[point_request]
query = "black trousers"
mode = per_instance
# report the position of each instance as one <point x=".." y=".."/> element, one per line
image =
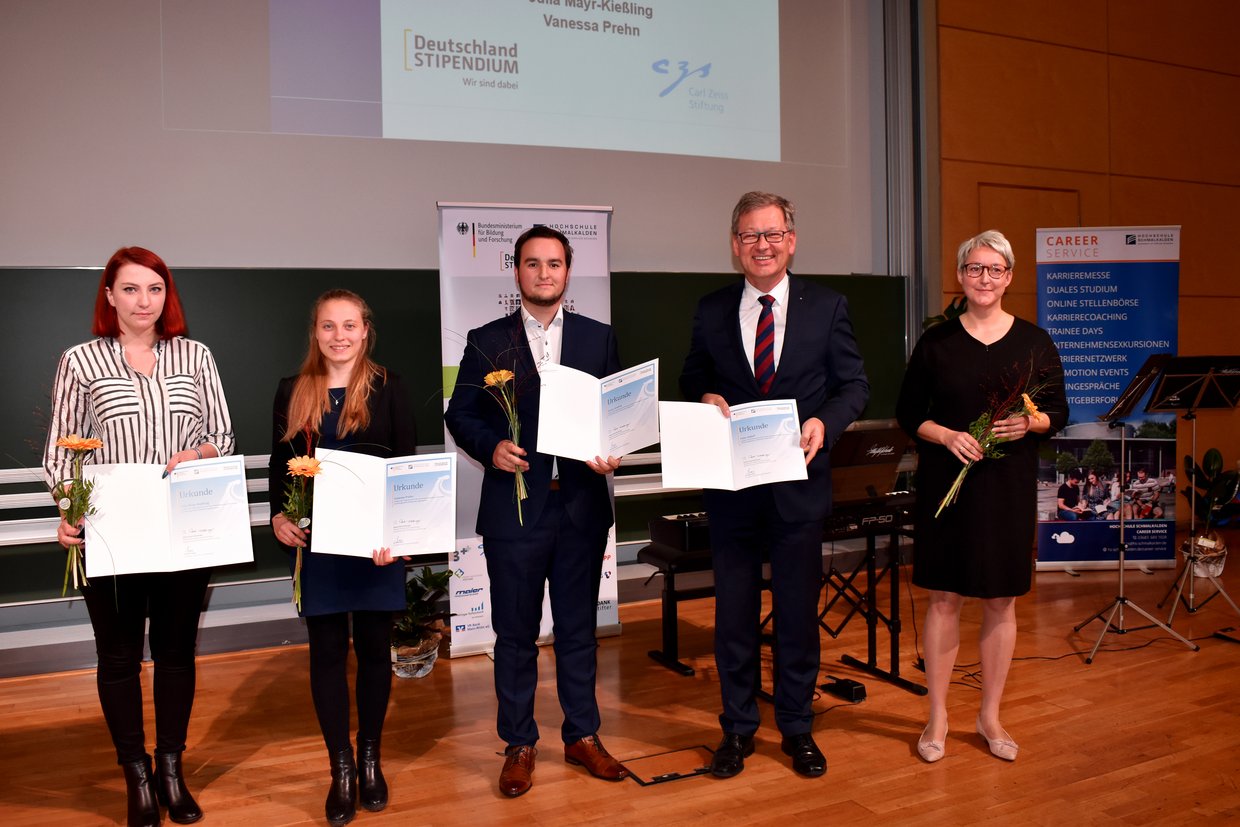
<point x="119" y="607"/>
<point x="742" y="525"/>
<point x="329" y="674"/>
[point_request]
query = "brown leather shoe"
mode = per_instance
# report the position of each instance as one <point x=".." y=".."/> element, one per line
<point x="516" y="777"/>
<point x="589" y="753"/>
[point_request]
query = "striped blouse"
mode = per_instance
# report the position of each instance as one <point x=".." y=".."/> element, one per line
<point x="140" y="418"/>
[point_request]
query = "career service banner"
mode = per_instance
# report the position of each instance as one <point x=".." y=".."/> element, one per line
<point x="1109" y="298"/>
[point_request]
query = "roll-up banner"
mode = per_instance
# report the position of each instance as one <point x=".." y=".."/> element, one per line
<point x="477" y="285"/>
<point x="1109" y="298"/>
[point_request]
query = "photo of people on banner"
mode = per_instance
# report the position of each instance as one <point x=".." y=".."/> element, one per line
<point x="1108" y="297"/>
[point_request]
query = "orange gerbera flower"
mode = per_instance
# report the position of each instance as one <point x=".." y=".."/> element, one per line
<point x="79" y="443"/>
<point x="496" y="378"/>
<point x="303" y="467"/>
<point x="1030" y="408"/>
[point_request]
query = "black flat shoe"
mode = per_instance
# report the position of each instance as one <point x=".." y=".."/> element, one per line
<point x="807" y="759"/>
<point x="730" y="755"/>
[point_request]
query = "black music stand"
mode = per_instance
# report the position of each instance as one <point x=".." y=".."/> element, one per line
<point x="1189" y="384"/>
<point x="1114" y="611"/>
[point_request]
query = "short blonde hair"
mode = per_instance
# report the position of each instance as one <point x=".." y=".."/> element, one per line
<point x="993" y="239"/>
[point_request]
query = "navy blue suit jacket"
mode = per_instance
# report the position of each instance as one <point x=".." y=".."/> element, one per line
<point x="477" y="423"/>
<point x="819" y="366"/>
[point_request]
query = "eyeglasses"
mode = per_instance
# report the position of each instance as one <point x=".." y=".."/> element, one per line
<point x="772" y="236"/>
<point x="974" y="271"/>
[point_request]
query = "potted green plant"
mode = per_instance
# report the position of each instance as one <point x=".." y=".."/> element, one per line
<point x="954" y="310"/>
<point x="1213" y="493"/>
<point x="419" y="629"/>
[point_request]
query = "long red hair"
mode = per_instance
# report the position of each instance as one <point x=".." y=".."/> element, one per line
<point x="169" y="324"/>
<point x="310" y="399"/>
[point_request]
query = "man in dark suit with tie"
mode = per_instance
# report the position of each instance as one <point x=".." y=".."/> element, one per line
<point x="772" y="336"/>
<point x="559" y="535"/>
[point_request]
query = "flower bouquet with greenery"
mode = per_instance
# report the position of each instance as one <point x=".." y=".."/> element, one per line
<point x="298" y="499"/>
<point x="72" y="497"/>
<point x="503" y="388"/>
<point x="1016" y="403"/>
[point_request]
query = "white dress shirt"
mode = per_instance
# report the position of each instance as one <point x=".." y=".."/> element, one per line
<point x="751" y="308"/>
<point x="546" y="343"/>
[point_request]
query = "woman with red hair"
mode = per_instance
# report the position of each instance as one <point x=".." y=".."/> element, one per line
<point x="151" y="396"/>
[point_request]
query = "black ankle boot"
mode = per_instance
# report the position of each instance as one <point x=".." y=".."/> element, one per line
<point x="170" y="788"/>
<point x="140" y="793"/>
<point x="372" y="787"/>
<point x="341" y="803"/>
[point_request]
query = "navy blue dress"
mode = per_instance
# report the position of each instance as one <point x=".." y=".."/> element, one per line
<point x="331" y="583"/>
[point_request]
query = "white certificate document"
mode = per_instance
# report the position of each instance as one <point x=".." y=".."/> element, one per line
<point x="581" y="417"/>
<point x="702" y="448"/>
<point x="362" y="503"/>
<point x="198" y="516"/>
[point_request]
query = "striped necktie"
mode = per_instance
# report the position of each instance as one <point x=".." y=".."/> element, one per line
<point x="764" y="346"/>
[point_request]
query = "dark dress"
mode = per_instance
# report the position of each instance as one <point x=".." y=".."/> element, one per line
<point x="331" y="583"/>
<point x="982" y="545"/>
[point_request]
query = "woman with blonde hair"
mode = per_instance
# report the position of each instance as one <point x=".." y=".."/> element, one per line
<point x="342" y="400"/>
<point x="982" y="545"/>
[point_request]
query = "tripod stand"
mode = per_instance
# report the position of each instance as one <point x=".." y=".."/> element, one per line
<point x="1114" y="611"/>
<point x="1190" y="383"/>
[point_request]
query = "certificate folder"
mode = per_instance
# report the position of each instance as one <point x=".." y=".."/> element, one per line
<point x="198" y="516"/>
<point x="582" y="417"/>
<point x="363" y="503"/>
<point x="759" y="443"/>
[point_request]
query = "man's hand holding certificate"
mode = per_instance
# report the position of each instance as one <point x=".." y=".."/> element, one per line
<point x="198" y="516"/>
<point x="581" y="417"/>
<point x="363" y="503"/>
<point x="759" y="443"/>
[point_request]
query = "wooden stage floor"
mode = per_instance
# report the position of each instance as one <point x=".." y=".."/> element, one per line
<point x="1149" y="734"/>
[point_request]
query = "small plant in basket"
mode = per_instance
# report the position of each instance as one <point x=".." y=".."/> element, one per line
<point x="1214" y="492"/>
<point x="416" y="633"/>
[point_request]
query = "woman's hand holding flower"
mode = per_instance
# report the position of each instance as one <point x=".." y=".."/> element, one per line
<point x="68" y="535"/>
<point x="962" y="445"/>
<point x="287" y="532"/>
<point x="1012" y="428"/>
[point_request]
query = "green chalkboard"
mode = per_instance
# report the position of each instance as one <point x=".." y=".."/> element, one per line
<point x="256" y="323"/>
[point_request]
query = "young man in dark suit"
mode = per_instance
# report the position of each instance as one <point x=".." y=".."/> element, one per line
<point x="772" y="336"/>
<point x="559" y="535"/>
